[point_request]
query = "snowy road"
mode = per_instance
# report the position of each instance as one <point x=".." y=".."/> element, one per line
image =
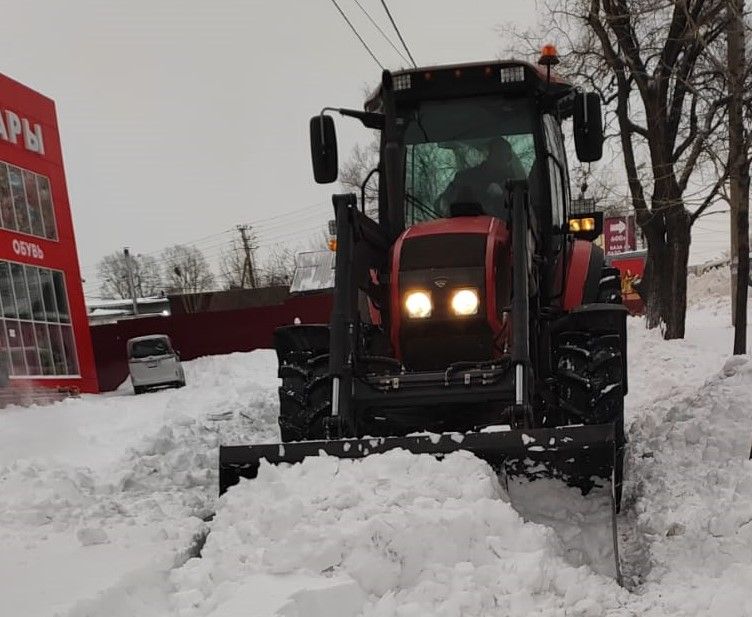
<point x="102" y="500"/>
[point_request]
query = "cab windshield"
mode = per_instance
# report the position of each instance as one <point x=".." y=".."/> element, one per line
<point x="463" y="151"/>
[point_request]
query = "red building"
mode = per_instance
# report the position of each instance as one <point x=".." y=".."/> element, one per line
<point x="44" y="334"/>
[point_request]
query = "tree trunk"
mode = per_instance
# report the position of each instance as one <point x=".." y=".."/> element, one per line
<point x="652" y="278"/>
<point x="738" y="173"/>
<point x="742" y="272"/>
<point x="674" y="282"/>
<point x="668" y="235"/>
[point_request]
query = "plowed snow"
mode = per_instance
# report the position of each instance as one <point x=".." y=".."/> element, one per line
<point x="102" y="500"/>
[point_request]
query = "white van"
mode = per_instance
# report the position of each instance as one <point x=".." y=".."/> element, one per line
<point x="153" y="362"/>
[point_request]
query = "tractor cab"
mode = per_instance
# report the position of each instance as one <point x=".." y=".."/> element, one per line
<point x="468" y="130"/>
<point x="459" y="133"/>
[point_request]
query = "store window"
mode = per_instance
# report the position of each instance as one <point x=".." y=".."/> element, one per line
<point x="36" y="336"/>
<point x="26" y="202"/>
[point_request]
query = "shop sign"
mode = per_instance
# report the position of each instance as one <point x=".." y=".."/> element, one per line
<point x="16" y="129"/>
<point x="27" y="249"/>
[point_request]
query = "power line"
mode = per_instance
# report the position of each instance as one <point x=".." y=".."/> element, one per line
<point x="307" y="218"/>
<point x="290" y="213"/>
<point x="375" y="25"/>
<point x="273" y="239"/>
<point x="194" y="243"/>
<point x="396" y="29"/>
<point x="360" y="38"/>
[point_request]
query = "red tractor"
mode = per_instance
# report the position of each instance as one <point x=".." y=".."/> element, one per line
<point x="470" y="310"/>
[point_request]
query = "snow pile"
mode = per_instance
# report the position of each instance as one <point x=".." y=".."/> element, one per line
<point x="56" y="461"/>
<point x="692" y="493"/>
<point x="95" y="488"/>
<point x="582" y="523"/>
<point x="713" y="286"/>
<point x="34" y="494"/>
<point x="408" y="535"/>
<point x="229" y="404"/>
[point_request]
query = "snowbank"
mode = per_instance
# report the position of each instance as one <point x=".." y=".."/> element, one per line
<point x="97" y="488"/>
<point x="711" y="287"/>
<point x="407" y="535"/>
<point x="692" y="496"/>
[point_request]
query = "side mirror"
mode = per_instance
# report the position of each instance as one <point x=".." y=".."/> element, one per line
<point x="323" y="149"/>
<point x="586" y="226"/>
<point x="588" y="127"/>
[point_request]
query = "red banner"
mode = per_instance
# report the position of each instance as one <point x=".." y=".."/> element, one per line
<point x="631" y="269"/>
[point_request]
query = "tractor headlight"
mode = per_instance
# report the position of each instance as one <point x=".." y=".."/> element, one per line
<point x="418" y="304"/>
<point x="465" y="302"/>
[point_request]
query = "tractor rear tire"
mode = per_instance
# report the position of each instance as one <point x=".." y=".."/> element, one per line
<point x="590" y="372"/>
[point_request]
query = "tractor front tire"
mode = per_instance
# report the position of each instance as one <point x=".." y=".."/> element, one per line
<point x="292" y="401"/>
<point x="303" y="399"/>
<point x="590" y="373"/>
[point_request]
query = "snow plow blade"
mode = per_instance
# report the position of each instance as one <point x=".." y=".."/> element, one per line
<point x="571" y="452"/>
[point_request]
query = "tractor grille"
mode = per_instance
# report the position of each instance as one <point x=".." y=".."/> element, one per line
<point x="443" y="263"/>
<point x="443" y="251"/>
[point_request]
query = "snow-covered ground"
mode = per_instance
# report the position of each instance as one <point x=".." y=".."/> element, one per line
<point x="103" y="501"/>
<point x="97" y="490"/>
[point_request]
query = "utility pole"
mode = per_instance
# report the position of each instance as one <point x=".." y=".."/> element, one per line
<point x="738" y="173"/>
<point x="131" y="286"/>
<point x="248" y="263"/>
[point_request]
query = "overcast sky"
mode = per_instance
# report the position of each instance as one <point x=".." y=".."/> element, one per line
<point x="181" y="119"/>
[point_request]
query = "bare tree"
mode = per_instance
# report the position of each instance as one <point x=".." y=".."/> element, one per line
<point x="644" y="58"/>
<point x="112" y="272"/>
<point x="232" y="263"/>
<point x="727" y="75"/>
<point x="278" y="266"/>
<point x="186" y="270"/>
<point x="363" y="160"/>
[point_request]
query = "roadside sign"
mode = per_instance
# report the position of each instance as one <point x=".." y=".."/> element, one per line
<point x="619" y="235"/>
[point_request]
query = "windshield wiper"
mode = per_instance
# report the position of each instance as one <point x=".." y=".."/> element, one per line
<point x="426" y="209"/>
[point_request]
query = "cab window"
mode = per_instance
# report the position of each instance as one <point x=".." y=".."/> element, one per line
<point x="464" y="151"/>
<point x="556" y="164"/>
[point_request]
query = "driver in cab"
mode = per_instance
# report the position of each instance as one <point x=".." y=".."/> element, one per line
<point x="484" y="184"/>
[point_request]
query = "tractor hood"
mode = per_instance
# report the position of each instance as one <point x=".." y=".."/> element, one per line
<point x="451" y="282"/>
<point x="482" y="225"/>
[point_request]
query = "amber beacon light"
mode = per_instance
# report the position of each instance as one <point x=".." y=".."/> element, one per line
<point x="549" y="56"/>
